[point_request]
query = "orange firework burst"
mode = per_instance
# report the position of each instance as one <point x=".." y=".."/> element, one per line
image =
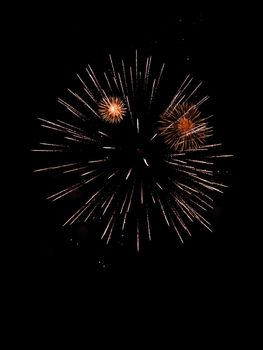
<point x="112" y="109"/>
<point x="183" y="128"/>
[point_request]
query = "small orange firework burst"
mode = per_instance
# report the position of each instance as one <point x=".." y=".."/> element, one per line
<point x="183" y="128"/>
<point x="112" y="109"/>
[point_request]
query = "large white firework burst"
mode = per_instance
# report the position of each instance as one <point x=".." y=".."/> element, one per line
<point x="129" y="157"/>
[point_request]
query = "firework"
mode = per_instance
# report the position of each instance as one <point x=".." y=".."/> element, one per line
<point x="128" y="157"/>
<point x="112" y="109"/>
<point x="183" y="127"/>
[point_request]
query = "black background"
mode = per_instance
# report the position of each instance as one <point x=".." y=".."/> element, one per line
<point x="213" y="273"/>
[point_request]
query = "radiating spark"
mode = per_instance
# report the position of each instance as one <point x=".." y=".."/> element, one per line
<point x="81" y="210"/>
<point x="65" y="191"/>
<point x="148" y="224"/>
<point x="145" y="161"/>
<point x="54" y="167"/>
<point x="141" y="193"/>
<point x="108" y="147"/>
<point x="163" y="211"/>
<point x="138" y="236"/>
<point x="128" y="174"/>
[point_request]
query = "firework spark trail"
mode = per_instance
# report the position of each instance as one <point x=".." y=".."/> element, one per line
<point x="83" y="102"/>
<point x="54" y="167"/>
<point x="66" y="129"/>
<point x="133" y="159"/>
<point x="148" y="224"/>
<point x="94" y="79"/>
<point x="82" y="209"/>
<point x="137" y="236"/>
<point x="71" y="109"/>
<point x="163" y="211"/>
<point x="141" y="190"/>
<point x="178" y="96"/>
<point x="113" y="71"/>
<point x="124" y="76"/>
<point x="65" y="191"/>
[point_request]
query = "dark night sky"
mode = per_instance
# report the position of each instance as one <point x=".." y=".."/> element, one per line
<point x="56" y="44"/>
